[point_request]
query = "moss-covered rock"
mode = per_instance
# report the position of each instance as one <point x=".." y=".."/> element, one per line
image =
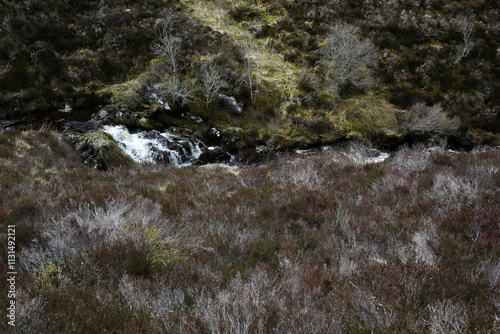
<point x="102" y="151"/>
<point x="144" y="123"/>
<point x="234" y="138"/>
<point x="23" y="103"/>
<point x="127" y="96"/>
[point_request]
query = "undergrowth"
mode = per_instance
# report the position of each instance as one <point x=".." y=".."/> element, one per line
<point x="325" y="242"/>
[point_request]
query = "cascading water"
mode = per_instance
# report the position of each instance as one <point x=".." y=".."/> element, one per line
<point x="154" y="146"/>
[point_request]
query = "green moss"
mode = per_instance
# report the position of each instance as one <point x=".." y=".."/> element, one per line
<point x="368" y="117"/>
<point x="126" y="96"/>
<point x="24" y="102"/>
<point x="235" y="137"/>
<point x="161" y="250"/>
<point x="102" y="148"/>
<point x="483" y="137"/>
<point x="144" y="123"/>
<point x="49" y="278"/>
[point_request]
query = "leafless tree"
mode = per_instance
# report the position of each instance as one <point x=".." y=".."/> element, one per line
<point x="252" y="54"/>
<point x="169" y="45"/>
<point x="347" y="55"/>
<point x="211" y="80"/>
<point x="4" y="70"/>
<point x="169" y="48"/>
<point x="181" y="91"/>
<point x="424" y="119"/>
<point x="466" y="28"/>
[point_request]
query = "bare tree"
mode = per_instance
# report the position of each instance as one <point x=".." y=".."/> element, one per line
<point x="421" y="119"/>
<point x="4" y="70"/>
<point x="169" y="48"/>
<point x="466" y="28"/>
<point x="347" y="55"/>
<point x="252" y="54"/>
<point x="211" y="80"/>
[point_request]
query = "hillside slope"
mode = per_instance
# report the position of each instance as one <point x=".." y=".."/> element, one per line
<point x="329" y="242"/>
<point x="295" y="84"/>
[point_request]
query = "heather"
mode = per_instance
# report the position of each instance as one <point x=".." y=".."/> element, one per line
<point x="254" y="166"/>
<point x="323" y="241"/>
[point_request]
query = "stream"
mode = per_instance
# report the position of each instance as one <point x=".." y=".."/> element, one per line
<point x="142" y="146"/>
<point x="153" y="146"/>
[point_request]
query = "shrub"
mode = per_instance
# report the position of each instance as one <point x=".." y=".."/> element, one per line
<point x="421" y="119"/>
<point x="447" y="317"/>
<point x="347" y="55"/>
<point x="115" y="238"/>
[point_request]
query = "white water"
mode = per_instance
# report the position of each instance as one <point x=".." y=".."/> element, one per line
<point x="142" y="149"/>
<point x="358" y="154"/>
<point x="67" y="108"/>
<point x="362" y="159"/>
<point x="381" y="158"/>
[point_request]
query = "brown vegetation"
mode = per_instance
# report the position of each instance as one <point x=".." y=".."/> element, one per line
<point x="320" y="243"/>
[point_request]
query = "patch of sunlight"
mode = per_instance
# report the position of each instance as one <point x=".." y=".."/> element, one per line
<point x="273" y="69"/>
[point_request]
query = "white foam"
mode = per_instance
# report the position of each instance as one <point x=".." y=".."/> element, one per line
<point x="134" y="145"/>
<point x="143" y="150"/>
<point x="67" y="108"/>
<point x="381" y="158"/>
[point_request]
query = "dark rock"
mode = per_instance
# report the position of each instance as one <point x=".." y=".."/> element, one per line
<point x="214" y="135"/>
<point x="214" y="154"/>
<point x="192" y="117"/>
<point x="230" y="104"/>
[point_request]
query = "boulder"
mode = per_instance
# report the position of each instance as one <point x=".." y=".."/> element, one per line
<point x="102" y="151"/>
<point x="214" y="135"/>
<point x="230" y="104"/>
<point x="213" y="155"/>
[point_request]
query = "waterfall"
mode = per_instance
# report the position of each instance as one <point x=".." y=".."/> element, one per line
<point x="152" y="146"/>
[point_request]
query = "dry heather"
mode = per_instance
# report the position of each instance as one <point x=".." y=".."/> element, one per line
<point x="326" y="242"/>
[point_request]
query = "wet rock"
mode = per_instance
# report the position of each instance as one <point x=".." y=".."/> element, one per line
<point x="192" y="117"/>
<point x="214" y="155"/>
<point x="230" y="104"/>
<point x="106" y="115"/>
<point x="101" y="115"/>
<point x="99" y="149"/>
<point x="172" y="148"/>
<point x="214" y="135"/>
